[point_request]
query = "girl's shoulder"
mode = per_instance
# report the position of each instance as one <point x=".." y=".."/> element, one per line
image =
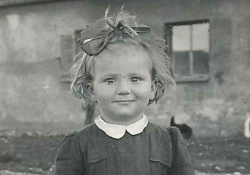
<point x="89" y="132"/>
<point x="154" y="128"/>
<point x="89" y="129"/>
<point x="86" y="132"/>
<point x="167" y="135"/>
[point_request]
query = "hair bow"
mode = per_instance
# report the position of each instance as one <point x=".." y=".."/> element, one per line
<point x="93" y="41"/>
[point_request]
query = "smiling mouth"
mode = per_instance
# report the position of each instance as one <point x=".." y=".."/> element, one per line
<point x="124" y="101"/>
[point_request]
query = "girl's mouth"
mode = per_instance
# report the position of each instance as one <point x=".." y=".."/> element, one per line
<point x="124" y="101"/>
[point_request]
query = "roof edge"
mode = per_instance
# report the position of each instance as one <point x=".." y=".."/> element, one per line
<point x="7" y="3"/>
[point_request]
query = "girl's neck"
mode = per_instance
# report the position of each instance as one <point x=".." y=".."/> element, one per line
<point x="121" y="122"/>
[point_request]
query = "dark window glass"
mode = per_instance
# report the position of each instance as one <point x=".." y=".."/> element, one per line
<point x="200" y="62"/>
<point x="181" y="63"/>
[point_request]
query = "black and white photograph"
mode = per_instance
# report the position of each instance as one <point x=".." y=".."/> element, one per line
<point x="124" y="87"/>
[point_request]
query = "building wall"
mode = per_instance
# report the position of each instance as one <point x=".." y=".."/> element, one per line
<point x="30" y="88"/>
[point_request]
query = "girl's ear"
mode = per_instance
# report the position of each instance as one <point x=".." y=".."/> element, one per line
<point x="153" y="89"/>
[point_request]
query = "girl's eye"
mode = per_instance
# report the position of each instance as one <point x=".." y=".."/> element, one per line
<point x="135" y="79"/>
<point x="110" y="81"/>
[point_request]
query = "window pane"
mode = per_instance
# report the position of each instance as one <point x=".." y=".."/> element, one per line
<point x="201" y="48"/>
<point x="181" y="59"/>
<point x="201" y="37"/>
<point x="181" y="38"/>
<point x="200" y="62"/>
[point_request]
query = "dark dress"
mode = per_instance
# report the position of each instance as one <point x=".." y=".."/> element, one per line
<point x="155" y="151"/>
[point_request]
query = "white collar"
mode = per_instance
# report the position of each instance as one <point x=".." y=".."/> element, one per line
<point x="118" y="131"/>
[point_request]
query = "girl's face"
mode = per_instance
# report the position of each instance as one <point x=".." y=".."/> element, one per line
<point x="122" y="83"/>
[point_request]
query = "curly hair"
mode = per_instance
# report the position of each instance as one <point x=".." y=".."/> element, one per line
<point x="82" y="70"/>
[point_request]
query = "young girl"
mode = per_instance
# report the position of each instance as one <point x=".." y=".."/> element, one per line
<point x="123" y="70"/>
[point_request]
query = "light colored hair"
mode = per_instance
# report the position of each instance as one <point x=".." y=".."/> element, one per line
<point x="82" y="70"/>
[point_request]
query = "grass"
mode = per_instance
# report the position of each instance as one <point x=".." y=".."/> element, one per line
<point x="220" y="154"/>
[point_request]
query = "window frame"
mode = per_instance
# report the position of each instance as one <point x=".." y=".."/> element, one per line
<point x="168" y="35"/>
<point x="26" y="2"/>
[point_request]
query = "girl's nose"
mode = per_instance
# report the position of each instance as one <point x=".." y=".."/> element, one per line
<point x="123" y="87"/>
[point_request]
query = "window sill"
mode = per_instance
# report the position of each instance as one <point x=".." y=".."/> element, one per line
<point x="65" y="78"/>
<point x="191" y="78"/>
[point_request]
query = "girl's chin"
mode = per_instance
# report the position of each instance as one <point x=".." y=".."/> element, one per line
<point x="122" y="119"/>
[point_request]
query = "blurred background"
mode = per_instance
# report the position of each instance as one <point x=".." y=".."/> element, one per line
<point x="209" y="41"/>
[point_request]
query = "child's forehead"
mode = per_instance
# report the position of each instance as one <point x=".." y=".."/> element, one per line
<point x="125" y="50"/>
<point x="123" y="53"/>
<point x="122" y="57"/>
<point x="122" y="66"/>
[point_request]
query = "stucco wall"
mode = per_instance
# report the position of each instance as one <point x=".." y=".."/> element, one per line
<point x="30" y="87"/>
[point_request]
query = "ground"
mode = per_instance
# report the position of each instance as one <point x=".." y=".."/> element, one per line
<point x="220" y="154"/>
<point x="35" y="153"/>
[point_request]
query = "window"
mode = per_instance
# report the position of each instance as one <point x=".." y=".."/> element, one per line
<point x="68" y="49"/>
<point x="66" y="56"/>
<point x="188" y="44"/>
